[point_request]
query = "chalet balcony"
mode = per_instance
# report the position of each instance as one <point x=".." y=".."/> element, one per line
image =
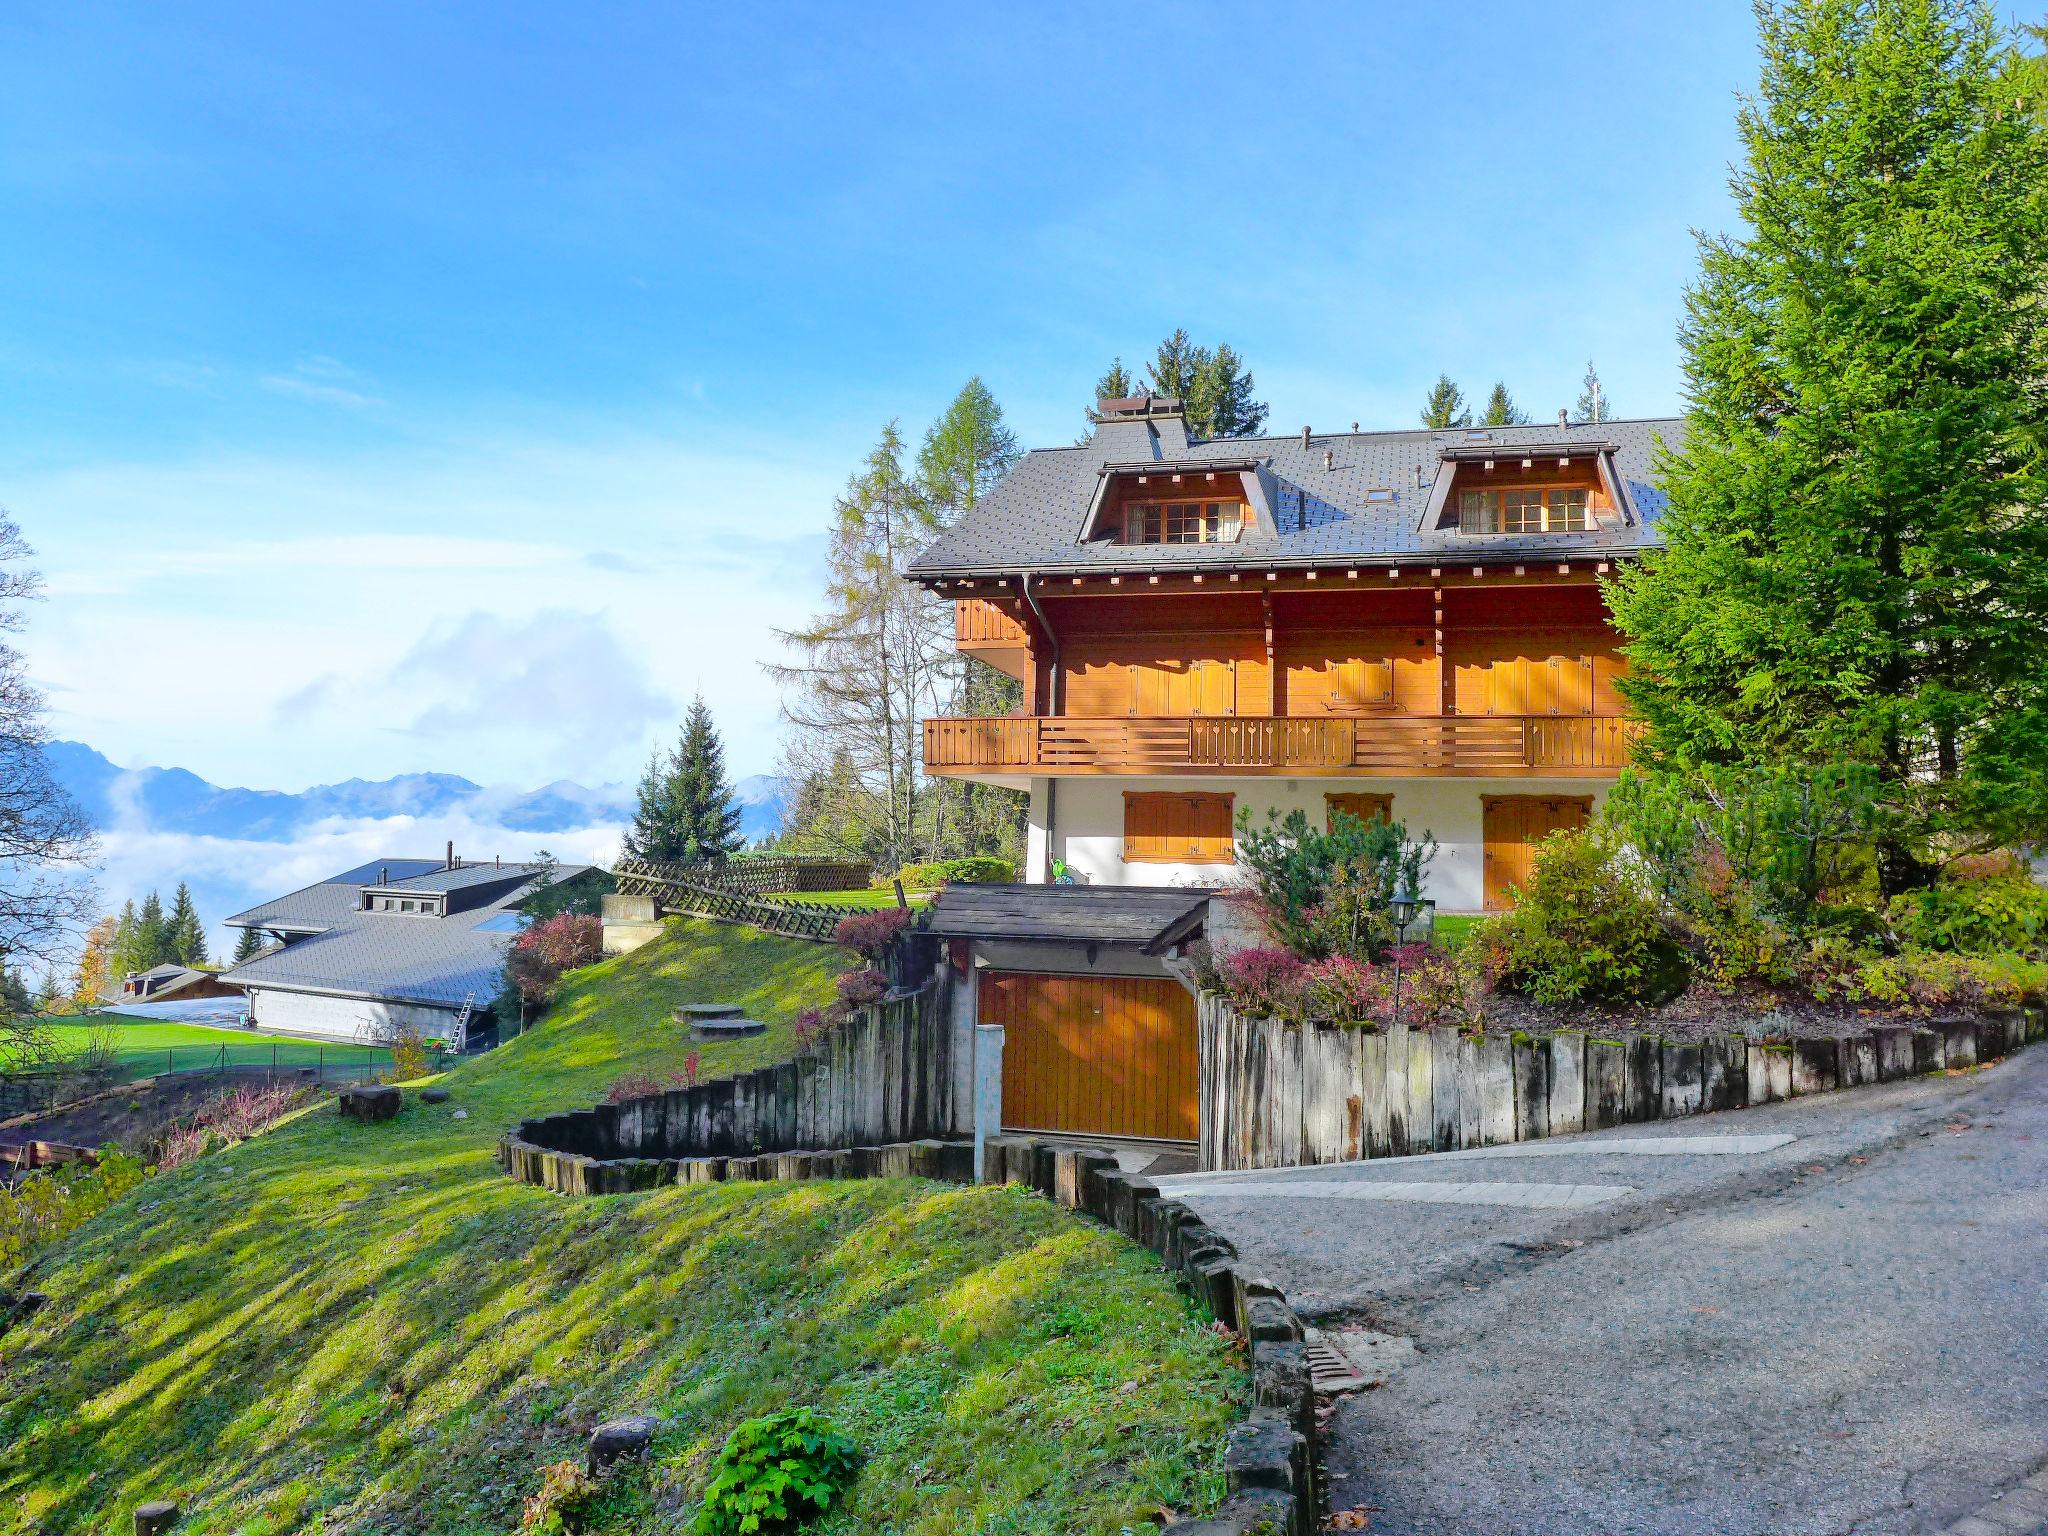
<point x="1468" y="746"/>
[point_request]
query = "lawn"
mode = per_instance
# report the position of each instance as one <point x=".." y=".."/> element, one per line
<point x="357" y="1327"/>
<point x="143" y="1046"/>
<point x="868" y="897"/>
<point x="1451" y="932"/>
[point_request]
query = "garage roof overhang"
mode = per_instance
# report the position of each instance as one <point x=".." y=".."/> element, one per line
<point x="1150" y="919"/>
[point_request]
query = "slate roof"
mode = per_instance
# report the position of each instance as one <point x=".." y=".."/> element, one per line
<point x="1032" y="520"/>
<point x="390" y="956"/>
<point x="1076" y="914"/>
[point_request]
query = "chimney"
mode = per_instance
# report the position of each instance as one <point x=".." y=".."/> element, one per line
<point x="1304" y="437"/>
<point x="451" y="853"/>
<point x="384" y="875"/>
<point x="1564" y="418"/>
<point x="497" y="861"/>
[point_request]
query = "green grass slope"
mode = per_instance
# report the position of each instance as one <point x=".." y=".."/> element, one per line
<point x="341" y="1327"/>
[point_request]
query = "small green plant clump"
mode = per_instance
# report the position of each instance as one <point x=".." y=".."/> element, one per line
<point x="566" y="1496"/>
<point x="774" y="1470"/>
<point x="45" y="1206"/>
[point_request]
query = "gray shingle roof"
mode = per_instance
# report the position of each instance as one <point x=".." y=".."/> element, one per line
<point x="1077" y="914"/>
<point x="1032" y="520"/>
<point x="393" y="956"/>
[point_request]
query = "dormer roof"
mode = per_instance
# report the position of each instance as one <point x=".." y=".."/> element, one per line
<point x="1361" y="497"/>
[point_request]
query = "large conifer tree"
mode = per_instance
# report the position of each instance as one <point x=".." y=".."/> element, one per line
<point x="184" y="933"/>
<point x="1445" y="406"/>
<point x="686" y="813"/>
<point x="1857" y="552"/>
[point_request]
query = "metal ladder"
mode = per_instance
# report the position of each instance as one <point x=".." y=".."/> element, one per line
<point x="462" y="1023"/>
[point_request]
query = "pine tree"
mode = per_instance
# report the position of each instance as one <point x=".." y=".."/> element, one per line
<point x="1856" y="560"/>
<point x="247" y="946"/>
<point x="1501" y="410"/>
<point x="965" y="452"/>
<point x="152" y="936"/>
<point x="1116" y="384"/>
<point x="124" y="944"/>
<point x="1593" y="405"/>
<point x="686" y="813"/>
<point x="185" y="934"/>
<point x="1445" y="407"/>
<point x="1213" y="387"/>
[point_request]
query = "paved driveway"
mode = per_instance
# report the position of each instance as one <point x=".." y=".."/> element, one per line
<point x="1833" y="1318"/>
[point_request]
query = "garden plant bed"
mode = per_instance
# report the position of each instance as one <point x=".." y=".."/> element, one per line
<point x="1697" y="1014"/>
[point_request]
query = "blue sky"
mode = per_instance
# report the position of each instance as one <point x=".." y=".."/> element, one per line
<point x="392" y="387"/>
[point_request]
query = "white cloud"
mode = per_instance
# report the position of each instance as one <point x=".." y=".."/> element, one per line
<point x="321" y="378"/>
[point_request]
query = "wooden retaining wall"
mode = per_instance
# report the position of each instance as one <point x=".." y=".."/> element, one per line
<point x="1277" y="1094"/>
<point x="885" y="1076"/>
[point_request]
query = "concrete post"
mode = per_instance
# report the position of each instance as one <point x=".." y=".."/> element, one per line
<point x="988" y="1091"/>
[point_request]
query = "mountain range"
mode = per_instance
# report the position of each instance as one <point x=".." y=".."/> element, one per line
<point x="174" y="800"/>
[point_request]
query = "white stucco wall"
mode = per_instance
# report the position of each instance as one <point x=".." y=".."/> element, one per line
<point x="344" y="1018"/>
<point x="1088" y="826"/>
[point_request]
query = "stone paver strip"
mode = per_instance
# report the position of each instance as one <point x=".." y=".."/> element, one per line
<point x="1527" y="1196"/>
<point x="1631" y="1146"/>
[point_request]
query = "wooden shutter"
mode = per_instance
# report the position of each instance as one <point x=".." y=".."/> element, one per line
<point x="1363" y="807"/>
<point x="1514" y="825"/>
<point x="1161" y="827"/>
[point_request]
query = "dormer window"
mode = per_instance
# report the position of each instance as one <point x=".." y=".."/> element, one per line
<point x="1182" y="522"/>
<point x="1544" y="509"/>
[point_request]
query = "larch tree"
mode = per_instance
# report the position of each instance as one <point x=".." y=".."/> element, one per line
<point x="1592" y="406"/>
<point x="966" y="451"/>
<point x="1501" y="410"/>
<point x="1855" y="566"/>
<point x="1445" y="406"/>
<point x="867" y="669"/>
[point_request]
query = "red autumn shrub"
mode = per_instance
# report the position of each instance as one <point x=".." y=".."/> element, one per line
<point x="645" y="1085"/>
<point x="859" y="988"/>
<point x="871" y="932"/>
<point x="539" y="956"/>
<point x="1344" y="990"/>
<point x="1262" y="980"/>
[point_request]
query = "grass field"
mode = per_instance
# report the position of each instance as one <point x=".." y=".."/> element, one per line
<point x="146" y="1046"/>
<point x="351" y="1327"/>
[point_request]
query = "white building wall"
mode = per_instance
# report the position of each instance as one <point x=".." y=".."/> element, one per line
<point x="355" y="1019"/>
<point x="1088" y="825"/>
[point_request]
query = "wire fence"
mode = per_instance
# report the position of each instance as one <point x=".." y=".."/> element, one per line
<point x="50" y="1087"/>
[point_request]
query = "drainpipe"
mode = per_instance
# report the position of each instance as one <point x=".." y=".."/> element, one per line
<point x="1052" y="785"/>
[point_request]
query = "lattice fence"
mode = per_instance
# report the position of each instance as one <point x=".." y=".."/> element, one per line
<point x="693" y="890"/>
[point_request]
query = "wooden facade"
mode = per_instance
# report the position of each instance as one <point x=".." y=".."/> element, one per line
<point x="1462" y="676"/>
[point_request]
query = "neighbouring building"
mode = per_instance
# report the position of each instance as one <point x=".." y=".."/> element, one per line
<point x="172" y="982"/>
<point x="1401" y="622"/>
<point x="397" y="943"/>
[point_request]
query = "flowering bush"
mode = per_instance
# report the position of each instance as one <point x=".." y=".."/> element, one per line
<point x="871" y="932"/>
<point x="859" y="988"/>
<point x="1262" y="980"/>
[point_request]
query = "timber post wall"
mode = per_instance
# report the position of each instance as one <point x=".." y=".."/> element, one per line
<point x="1279" y="1094"/>
<point x="887" y="1075"/>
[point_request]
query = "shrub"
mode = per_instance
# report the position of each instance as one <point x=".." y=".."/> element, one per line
<point x="1586" y="929"/>
<point x="409" y="1058"/>
<point x="1262" y="979"/>
<point x="644" y="1085"/>
<point x="1326" y="893"/>
<point x="44" y="1206"/>
<point x="1998" y="912"/>
<point x="1343" y="990"/>
<point x="538" y="958"/>
<point x="1934" y="981"/>
<point x="567" y="1494"/>
<point x="859" y="988"/>
<point x="871" y="932"/>
<point x="976" y="871"/>
<point x="773" y="1471"/>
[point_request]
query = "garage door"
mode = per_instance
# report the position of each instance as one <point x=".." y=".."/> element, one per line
<point x="1095" y="1055"/>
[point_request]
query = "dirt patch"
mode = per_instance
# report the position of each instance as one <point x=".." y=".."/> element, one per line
<point x="132" y="1115"/>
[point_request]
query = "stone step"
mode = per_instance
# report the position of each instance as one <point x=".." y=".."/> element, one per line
<point x="690" y="1013"/>
<point x="725" y="1028"/>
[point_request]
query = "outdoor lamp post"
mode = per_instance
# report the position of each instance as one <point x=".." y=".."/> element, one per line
<point x="1401" y="908"/>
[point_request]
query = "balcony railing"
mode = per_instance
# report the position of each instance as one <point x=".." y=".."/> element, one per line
<point x="1475" y="746"/>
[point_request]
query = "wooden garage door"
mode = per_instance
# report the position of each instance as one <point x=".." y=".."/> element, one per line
<point x="1095" y="1055"/>
<point x="1514" y="825"/>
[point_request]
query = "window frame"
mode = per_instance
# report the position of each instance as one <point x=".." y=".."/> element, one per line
<point x="1213" y="519"/>
<point x="1558" y="509"/>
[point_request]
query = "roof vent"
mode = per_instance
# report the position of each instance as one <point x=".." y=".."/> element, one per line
<point x="451" y="853"/>
<point x="1564" y="418"/>
<point x="1304" y="437"/>
<point x="1354" y="429"/>
<point x="1329" y="459"/>
<point x="384" y="875"/>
